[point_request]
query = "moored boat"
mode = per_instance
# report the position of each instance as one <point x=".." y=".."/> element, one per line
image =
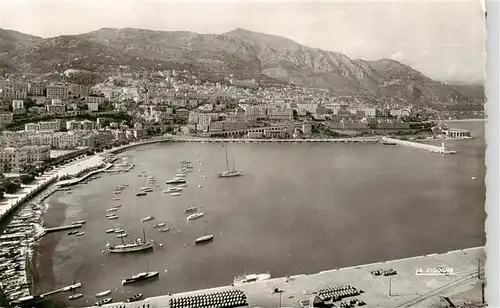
<point x="75" y="296"/>
<point x="103" y="293"/>
<point x="140" y="277"/>
<point x="175" y="194"/>
<point x="112" y="217"/>
<point x="134" y="298"/>
<point x="194" y="216"/>
<point x="73" y="232"/>
<point x="148" y="218"/>
<point x="161" y="224"/>
<point x="121" y="235"/>
<point x="191" y="209"/>
<point x="136" y="246"/>
<point x="104" y="301"/>
<point x="141" y="193"/>
<point x="176" y="181"/>
<point x="80" y="234"/>
<point x="164" y="230"/>
<point x="110" y="230"/>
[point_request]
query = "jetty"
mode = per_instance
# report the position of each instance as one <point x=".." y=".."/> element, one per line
<point x="71" y="182"/>
<point x="423" y="146"/>
<point x="411" y="282"/>
<point x="63" y="228"/>
<point x="29" y="301"/>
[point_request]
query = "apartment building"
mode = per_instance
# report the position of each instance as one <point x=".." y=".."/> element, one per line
<point x="17" y="104"/>
<point x="79" y="90"/>
<point x="6" y="118"/>
<point x="58" y="90"/>
<point x="13" y="159"/>
<point x="36" y="88"/>
<point x="95" y="99"/>
<point x="87" y="125"/>
<point x="279" y="114"/>
<point x="36" y="155"/>
<point x="73" y="124"/>
<point x="30" y="127"/>
<point x="93" y="106"/>
<point x="49" y="126"/>
<point x="56" y="109"/>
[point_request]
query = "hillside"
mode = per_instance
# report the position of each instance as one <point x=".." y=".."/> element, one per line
<point x="242" y="53"/>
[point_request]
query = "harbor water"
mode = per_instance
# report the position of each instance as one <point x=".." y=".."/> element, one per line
<point x="298" y="209"/>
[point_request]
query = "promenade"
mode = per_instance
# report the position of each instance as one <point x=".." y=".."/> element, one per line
<point x="45" y="180"/>
<point x="405" y="289"/>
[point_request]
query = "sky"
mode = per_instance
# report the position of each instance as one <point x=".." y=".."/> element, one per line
<point x="444" y="40"/>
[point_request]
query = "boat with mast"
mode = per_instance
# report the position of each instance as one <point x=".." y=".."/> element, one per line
<point x="205" y="238"/>
<point x="136" y="246"/>
<point x="229" y="173"/>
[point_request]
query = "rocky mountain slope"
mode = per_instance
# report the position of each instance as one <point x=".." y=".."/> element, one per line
<point x="243" y="53"/>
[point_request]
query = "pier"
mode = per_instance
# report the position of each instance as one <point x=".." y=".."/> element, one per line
<point x="427" y="147"/>
<point x="404" y="287"/>
<point x="82" y="178"/>
<point x="63" y="228"/>
<point x="29" y="301"/>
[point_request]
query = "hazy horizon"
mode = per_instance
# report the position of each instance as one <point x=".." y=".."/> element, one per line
<point x="427" y="36"/>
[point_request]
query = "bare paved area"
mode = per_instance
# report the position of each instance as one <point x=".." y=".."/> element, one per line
<point x="407" y="288"/>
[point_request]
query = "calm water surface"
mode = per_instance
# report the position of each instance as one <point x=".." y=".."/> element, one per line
<point x="299" y="208"/>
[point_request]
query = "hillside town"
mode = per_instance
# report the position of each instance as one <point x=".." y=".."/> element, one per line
<point x="63" y="112"/>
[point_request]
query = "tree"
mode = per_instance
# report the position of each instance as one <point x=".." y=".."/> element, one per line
<point x="27" y="178"/>
<point x="29" y="103"/>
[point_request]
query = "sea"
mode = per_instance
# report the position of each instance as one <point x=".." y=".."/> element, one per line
<point x="298" y="209"/>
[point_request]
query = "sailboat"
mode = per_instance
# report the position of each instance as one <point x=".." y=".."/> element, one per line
<point x="229" y="173"/>
<point x="205" y="238"/>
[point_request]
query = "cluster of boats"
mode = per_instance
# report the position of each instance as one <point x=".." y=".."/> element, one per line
<point x="16" y="241"/>
<point x="178" y="181"/>
<point x="144" y="190"/>
<point x="105" y="298"/>
<point x="118" y="190"/>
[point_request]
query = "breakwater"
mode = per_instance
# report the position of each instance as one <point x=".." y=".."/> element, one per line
<point x="427" y="147"/>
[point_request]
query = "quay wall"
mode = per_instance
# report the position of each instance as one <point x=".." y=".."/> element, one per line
<point x="428" y="147"/>
<point x="406" y="285"/>
<point x="14" y="204"/>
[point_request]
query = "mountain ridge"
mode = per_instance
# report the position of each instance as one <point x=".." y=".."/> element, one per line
<point x="242" y="53"/>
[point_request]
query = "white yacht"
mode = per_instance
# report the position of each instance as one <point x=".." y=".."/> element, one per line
<point x="194" y="216"/>
<point x="148" y="218"/>
<point x="175" y="194"/>
<point x="103" y="293"/>
<point x="172" y="189"/>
